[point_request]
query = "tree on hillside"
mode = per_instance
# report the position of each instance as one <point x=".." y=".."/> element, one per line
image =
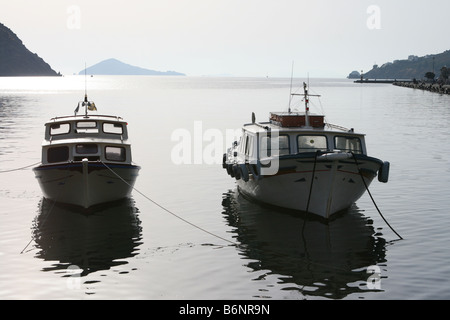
<point x="430" y="75"/>
<point x="445" y="72"/>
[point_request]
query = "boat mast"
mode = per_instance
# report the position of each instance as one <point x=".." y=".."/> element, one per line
<point x="305" y="89"/>
<point x="306" y="96"/>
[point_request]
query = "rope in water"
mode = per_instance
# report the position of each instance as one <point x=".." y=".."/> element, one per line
<point x="21" y="168"/>
<point x="307" y="260"/>
<point x="48" y="213"/>
<point x="167" y="210"/>
<point x="310" y="190"/>
<point x="45" y="220"/>
<point x="370" y="194"/>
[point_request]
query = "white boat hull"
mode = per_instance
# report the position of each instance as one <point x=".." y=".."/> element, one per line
<point x="337" y="184"/>
<point x="86" y="184"/>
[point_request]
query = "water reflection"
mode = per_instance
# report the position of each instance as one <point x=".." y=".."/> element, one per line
<point x="93" y="241"/>
<point x="14" y="123"/>
<point x="317" y="259"/>
<point x="10" y="111"/>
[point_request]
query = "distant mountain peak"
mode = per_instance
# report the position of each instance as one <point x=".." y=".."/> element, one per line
<point x="113" y="66"/>
<point x="17" y="60"/>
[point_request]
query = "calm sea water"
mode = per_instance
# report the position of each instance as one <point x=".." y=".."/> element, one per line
<point x="231" y="248"/>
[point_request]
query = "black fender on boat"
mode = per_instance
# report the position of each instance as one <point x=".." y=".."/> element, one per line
<point x="224" y="161"/>
<point x="383" y="173"/>
<point x="237" y="171"/>
<point x="230" y="170"/>
<point x="254" y="170"/>
<point x="244" y="172"/>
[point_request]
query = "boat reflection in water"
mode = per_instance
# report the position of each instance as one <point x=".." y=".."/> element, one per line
<point x="104" y="237"/>
<point x="318" y="259"/>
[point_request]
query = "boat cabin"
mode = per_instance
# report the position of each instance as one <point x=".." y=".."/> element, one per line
<point x="295" y="137"/>
<point x="97" y="138"/>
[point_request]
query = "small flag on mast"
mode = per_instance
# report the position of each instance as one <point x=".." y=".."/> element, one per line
<point x="92" y="107"/>
<point x="77" y="109"/>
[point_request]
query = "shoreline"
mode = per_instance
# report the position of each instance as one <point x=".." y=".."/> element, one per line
<point x="380" y="81"/>
<point x="426" y="86"/>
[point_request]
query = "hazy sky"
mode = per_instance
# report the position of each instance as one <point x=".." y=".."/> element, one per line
<point x="324" y="38"/>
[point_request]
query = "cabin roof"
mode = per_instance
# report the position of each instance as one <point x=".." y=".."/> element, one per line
<point x="328" y="128"/>
<point x="86" y="118"/>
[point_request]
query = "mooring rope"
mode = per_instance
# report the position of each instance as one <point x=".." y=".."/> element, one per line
<point x="370" y="194"/>
<point x="21" y="168"/>
<point x="312" y="182"/>
<point x="167" y="210"/>
<point x="49" y="211"/>
<point x="310" y="190"/>
<point x="308" y="260"/>
<point x="43" y="222"/>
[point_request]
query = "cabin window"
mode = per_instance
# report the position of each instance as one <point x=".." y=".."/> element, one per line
<point x="265" y="149"/>
<point x="283" y="145"/>
<point x="266" y="146"/>
<point x="240" y="144"/>
<point x="114" y="128"/>
<point x="311" y="143"/>
<point x="115" y="153"/>
<point x="348" y="144"/>
<point x="87" y="127"/>
<point x="248" y="145"/>
<point x="58" y="154"/>
<point x="87" y="124"/>
<point x="86" y="148"/>
<point x="59" y="128"/>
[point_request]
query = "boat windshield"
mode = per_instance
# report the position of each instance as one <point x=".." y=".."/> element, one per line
<point x="87" y="127"/>
<point x="348" y="144"/>
<point x="58" y="154"/>
<point x="59" y="128"/>
<point x="115" y="153"/>
<point x="266" y="147"/>
<point x="311" y="143"/>
<point x="114" y="128"/>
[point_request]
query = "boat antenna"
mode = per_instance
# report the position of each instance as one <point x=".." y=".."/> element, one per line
<point x="85" y="92"/>
<point x="290" y="89"/>
<point x="306" y="96"/>
<point x="85" y="83"/>
<point x="88" y="105"/>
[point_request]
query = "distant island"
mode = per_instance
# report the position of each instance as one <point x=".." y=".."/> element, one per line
<point x="429" y="66"/>
<point x="17" y="61"/>
<point x="354" y="75"/>
<point x="116" y="67"/>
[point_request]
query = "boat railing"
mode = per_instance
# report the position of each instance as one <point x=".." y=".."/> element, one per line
<point x="336" y="127"/>
<point x="86" y="117"/>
